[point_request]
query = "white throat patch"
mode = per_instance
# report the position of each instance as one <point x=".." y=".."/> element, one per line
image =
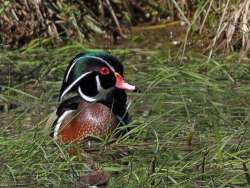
<point x="85" y="97"/>
<point x="102" y="93"/>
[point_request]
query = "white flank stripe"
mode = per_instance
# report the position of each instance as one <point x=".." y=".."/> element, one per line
<point x="71" y="85"/>
<point x="59" y="121"/>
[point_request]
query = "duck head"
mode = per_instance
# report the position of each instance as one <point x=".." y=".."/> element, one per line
<point x="93" y="76"/>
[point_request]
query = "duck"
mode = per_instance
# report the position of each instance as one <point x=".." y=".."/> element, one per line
<point x="93" y="99"/>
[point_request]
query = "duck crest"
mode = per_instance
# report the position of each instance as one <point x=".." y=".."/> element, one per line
<point x="82" y="65"/>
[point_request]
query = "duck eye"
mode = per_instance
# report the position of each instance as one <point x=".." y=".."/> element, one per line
<point x="104" y="71"/>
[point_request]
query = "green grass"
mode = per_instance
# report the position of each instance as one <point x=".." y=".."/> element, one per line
<point x="191" y="122"/>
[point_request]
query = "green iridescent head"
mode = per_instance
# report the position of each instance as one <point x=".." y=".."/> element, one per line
<point x="93" y="76"/>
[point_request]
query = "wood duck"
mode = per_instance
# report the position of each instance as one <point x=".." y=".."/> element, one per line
<point x="99" y="102"/>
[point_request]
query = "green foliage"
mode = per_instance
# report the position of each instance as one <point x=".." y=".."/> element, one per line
<point x="191" y="123"/>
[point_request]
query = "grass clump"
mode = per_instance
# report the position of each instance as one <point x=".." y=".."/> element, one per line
<point x="191" y="123"/>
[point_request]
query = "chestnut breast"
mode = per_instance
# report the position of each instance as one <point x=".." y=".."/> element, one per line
<point x="90" y="119"/>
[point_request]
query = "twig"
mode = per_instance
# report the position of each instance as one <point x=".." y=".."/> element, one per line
<point x="204" y="21"/>
<point x="219" y="30"/>
<point x="181" y="12"/>
<point x="89" y="11"/>
<point x="101" y="9"/>
<point x="246" y="172"/>
<point x="152" y="169"/>
<point x="129" y="10"/>
<point x="115" y="19"/>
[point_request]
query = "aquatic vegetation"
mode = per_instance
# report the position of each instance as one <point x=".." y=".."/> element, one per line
<point x="191" y="121"/>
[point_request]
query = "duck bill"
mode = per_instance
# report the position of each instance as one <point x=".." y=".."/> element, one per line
<point x="121" y="84"/>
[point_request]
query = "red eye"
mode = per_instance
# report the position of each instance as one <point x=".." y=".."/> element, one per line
<point x="104" y="71"/>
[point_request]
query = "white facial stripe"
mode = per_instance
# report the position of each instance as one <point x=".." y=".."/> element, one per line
<point x="71" y="67"/>
<point x="98" y="83"/>
<point x="85" y="97"/>
<point x="71" y="85"/>
<point x="59" y="122"/>
<point x="102" y="60"/>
